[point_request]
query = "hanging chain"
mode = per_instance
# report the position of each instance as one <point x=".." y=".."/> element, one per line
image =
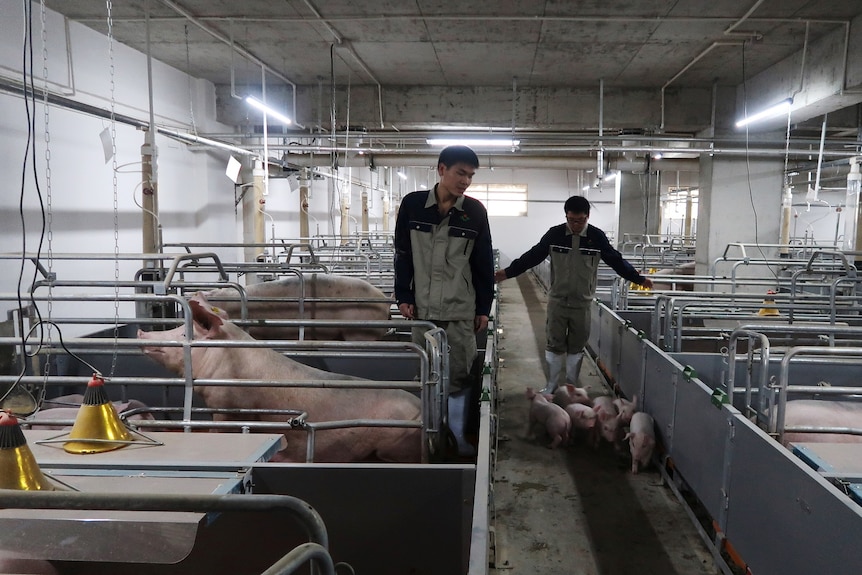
<point x="114" y="182"/>
<point x="49" y="214"/>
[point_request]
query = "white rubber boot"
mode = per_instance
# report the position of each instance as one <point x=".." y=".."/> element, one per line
<point x="555" y="368"/>
<point x="573" y="367"/>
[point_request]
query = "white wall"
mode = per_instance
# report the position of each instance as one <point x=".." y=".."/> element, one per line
<point x="548" y="191"/>
<point x="196" y="199"/>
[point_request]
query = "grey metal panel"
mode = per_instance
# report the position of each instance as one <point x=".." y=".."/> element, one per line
<point x="701" y="431"/>
<point x="390" y="519"/>
<point x="638" y="320"/>
<point x="631" y="370"/>
<point x="611" y="330"/>
<point x="784" y="519"/>
<point x="660" y="389"/>
<point x="600" y="318"/>
<point x="711" y="368"/>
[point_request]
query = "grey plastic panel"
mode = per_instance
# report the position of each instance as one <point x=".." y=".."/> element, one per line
<point x="390" y="519"/>
<point x="701" y="431"/>
<point x="785" y="519"/>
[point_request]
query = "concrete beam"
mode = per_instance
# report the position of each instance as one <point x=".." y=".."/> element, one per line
<point x="822" y="79"/>
<point x="687" y="110"/>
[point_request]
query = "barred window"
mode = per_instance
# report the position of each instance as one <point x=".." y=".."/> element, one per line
<point x="501" y="199"/>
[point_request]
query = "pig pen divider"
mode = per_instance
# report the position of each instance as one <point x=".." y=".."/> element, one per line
<point x="427" y="384"/>
<point x="764" y="500"/>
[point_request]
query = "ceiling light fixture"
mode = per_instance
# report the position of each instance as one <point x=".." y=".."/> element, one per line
<point x="476" y="142"/>
<point x="401" y="174"/>
<point x="195" y="139"/>
<point x="782" y="107"/>
<point x="255" y="103"/>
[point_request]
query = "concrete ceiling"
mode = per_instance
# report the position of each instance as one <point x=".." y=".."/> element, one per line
<point x="664" y="66"/>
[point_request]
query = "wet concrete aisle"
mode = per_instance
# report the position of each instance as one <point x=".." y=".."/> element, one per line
<point x="575" y="510"/>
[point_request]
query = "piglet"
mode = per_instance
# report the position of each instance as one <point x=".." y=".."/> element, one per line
<point x="582" y="416"/>
<point x="608" y="419"/>
<point x="626" y="408"/>
<point x="568" y="393"/>
<point x="641" y="438"/>
<point x="554" y="418"/>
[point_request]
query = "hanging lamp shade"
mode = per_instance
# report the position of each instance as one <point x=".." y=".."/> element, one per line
<point x="97" y="427"/>
<point x="18" y="467"/>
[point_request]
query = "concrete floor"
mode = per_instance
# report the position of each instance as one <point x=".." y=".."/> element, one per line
<point x="575" y="510"/>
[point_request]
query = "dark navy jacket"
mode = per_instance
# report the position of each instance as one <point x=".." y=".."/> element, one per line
<point x="574" y="262"/>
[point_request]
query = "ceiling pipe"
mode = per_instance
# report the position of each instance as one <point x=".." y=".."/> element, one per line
<point x="347" y="46"/>
<point x="239" y="48"/>
<point x="402" y="138"/>
<point x="729" y="31"/>
<point x="526" y="152"/>
<point x="685" y="68"/>
<point x="653" y="20"/>
<point x="501" y="161"/>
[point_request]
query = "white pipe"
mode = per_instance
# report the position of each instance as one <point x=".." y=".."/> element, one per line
<point x="600" y="156"/>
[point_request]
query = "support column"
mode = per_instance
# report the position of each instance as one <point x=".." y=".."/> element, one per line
<point x="364" y="197"/>
<point x="252" y="219"/>
<point x="151" y="240"/>
<point x="639" y="205"/>
<point x="303" y="204"/>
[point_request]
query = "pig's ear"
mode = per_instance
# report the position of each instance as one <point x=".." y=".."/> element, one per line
<point x="201" y="297"/>
<point x="205" y="317"/>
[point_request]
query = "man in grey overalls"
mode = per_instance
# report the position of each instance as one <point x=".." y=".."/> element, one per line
<point x="575" y="249"/>
<point x="444" y="261"/>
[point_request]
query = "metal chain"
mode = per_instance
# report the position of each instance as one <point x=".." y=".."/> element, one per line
<point x="114" y="181"/>
<point x="49" y="214"/>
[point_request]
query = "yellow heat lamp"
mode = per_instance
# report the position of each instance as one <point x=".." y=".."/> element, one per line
<point x="18" y="467"/>
<point x="767" y="309"/>
<point x="97" y="426"/>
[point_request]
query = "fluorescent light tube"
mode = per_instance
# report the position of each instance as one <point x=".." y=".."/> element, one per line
<point x="195" y="139"/>
<point x="255" y="103"/>
<point x="778" y="109"/>
<point x="477" y="142"/>
<point x="401" y="174"/>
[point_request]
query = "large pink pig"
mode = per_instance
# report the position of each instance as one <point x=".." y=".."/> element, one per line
<point x="641" y="438"/>
<point x="554" y="418"/>
<point x="822" y="413"/>
<point x="321" y="404"/>
<point x="282" y="303"/>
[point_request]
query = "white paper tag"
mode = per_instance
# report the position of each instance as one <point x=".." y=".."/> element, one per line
<point x="107" y="146"/>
